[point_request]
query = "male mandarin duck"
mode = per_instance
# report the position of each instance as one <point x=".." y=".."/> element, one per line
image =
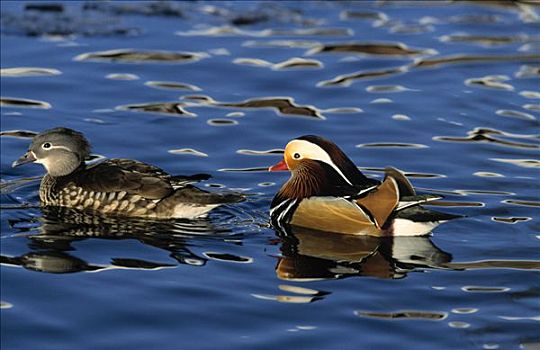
<point x="327" y="192"/>
<point x="115" y="186"/>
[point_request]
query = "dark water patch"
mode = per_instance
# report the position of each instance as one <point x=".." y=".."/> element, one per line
<point x="122" y="76"/>
<point x="50" y="262"/>
<point x="214" y="185"/>
<point x="477" y="19"/>
<point x="283" y="105"/>
<point x="406" y="173"/>
<point x="391" y="145"/>
<point x="363" y="15"/>
<point x="378" y="49"/>
<point x="138" y="264"/>
<point x="433" y="62"/>
<point x="235" y="31"/>
<point x="249" y="19"/>
<point x="291" y="63"/>
<point x="490" y="82"/>
<point x="484" y="40"/>
<point x="44" y="7"/>
<point x="142" y="8"/>
<point x="527" y="71"/>
<point x="245" y="170"/>
<point x="484" y="289"/>
<point x="189" y="151"/>
<point x="169" y="108"/>
<point x="228" y="257"/>
<point x="510" y="219"/>
<point x="404" y="315"/>
<point x="525" y="163"/>
<point x="400" y="27"/>
<point x="21" y="134"/>
<point x="348" y="79"/>
<point x="140" y="56"/>
<point x="172" y="85"/>
<point x="291" y="44"/>
<point x="522" y="203"/>
<point x="28" y="72"/>
<point x="455" y="203"/>
<point x="36" y="23"/>
<point x="387" y="88"/>
<point x="515" y="114"/>
<point x="269" y="152"/>
<point x="486" y="135"/>
<point x="222" y="122"/>
<point x="23" y="103"/>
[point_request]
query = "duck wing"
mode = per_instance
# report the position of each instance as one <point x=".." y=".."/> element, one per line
<point x="124" y="175"/>
<point x="365" y="215"/>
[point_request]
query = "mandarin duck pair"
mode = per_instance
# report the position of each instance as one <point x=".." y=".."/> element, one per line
<point x="326" y="190"/>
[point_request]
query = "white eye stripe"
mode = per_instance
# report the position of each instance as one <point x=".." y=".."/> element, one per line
<point x="60" y="147"/>
<point x="315" y="152"/>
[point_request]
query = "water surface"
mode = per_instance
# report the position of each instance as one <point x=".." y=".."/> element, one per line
<point x="448" y="92"/>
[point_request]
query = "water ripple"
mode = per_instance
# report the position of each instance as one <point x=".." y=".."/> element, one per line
<point x="140" y="56"/>
<point x="23" y="103"/>
<point x="379" y="49"/>
<point x="404" y="314"/>
<point x="28" y="72"/>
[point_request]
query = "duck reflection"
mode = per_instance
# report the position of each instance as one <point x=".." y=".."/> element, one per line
<point x="60" y="227"/>
<point x="311" y="255"/>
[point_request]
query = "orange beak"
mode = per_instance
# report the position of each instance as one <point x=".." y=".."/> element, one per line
<point x="279" y="166"/>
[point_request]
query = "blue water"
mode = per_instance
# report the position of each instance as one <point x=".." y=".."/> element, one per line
<point x="81" y="282"/>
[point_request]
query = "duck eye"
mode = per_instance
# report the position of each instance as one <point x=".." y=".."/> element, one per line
<point x="296" y="156"/>
<point x="46" y="145"/>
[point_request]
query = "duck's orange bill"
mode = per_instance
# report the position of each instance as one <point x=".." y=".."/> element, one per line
<point x="279" y="166"/>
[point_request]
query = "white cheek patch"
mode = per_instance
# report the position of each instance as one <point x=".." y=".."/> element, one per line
<point x="312" y="151"/>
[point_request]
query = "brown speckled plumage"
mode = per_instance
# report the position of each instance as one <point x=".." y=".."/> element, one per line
<point x="116" y="186"/>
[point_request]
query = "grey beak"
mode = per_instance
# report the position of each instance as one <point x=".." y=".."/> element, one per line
<point x="28" y="157"/>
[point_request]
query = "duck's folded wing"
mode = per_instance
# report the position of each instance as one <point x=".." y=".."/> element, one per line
<point x="334" y="214"/>
<point x="380" y="202"/>
<point x="176" y="181"/>
<point x="107" y="177"/>
<point x="136" y="166"/>
<point x="345" y="215"/>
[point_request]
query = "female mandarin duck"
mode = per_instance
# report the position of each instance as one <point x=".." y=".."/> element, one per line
<point x="327" y="192"/>
<point x="115" y="186"/>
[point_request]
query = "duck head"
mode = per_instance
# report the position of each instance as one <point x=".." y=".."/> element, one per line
<point x="60" y="150"/>
<point x="317" y="167"/>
